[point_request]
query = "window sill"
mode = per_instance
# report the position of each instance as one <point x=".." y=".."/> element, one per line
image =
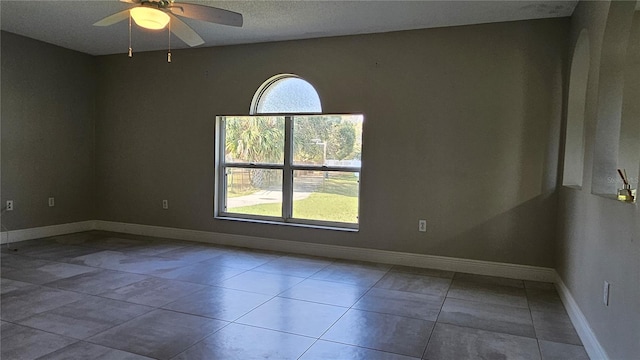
<point x="299" y="225"/>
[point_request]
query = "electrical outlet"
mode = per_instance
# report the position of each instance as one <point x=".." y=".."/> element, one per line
<point x="605" y="293"/>
<point x="52" y="202"/>
<point x="422" y="225"/>
<point x="9" y="205"/>
<point x="165" y="204"/>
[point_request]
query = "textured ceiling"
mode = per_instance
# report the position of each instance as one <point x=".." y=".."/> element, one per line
<point x="69" y="23"/>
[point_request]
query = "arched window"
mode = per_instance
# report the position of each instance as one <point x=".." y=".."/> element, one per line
<point x="288" y="162"/>
<point x="286" y="94"/>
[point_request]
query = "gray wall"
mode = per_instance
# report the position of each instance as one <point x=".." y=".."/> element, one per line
<point x="47" y="131"/>
<point x="599" y="238"/>
<point x="461" y="128"/>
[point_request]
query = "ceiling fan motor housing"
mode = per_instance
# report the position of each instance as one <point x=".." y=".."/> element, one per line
<point x="159" y="4"/>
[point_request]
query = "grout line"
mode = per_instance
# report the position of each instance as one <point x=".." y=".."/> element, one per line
<point x="535" y="331"/>
<point x="435" y="322"/>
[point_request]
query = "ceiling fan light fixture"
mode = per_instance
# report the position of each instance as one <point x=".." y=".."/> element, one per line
<point x="149" y="18"/>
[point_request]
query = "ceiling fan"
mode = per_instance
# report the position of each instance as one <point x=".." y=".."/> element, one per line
<point x="156" y="14"/>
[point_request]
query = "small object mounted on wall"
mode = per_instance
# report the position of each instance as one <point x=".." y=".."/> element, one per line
<point x="626" y="194"/>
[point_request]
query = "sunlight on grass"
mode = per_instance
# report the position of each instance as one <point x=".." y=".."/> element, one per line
<point x="336" y="200"/>
<point x="327" y="207"/>
<point x="318" y="206"/>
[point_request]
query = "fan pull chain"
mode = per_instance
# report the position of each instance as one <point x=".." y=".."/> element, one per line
<point x="169" y="53"/>
<point x="130" y="50"/>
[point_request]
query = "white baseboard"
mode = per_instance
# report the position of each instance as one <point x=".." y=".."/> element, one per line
<point x="588" y="338"/>
<point x="45" y="231"/>
<point x="523" y="272"/>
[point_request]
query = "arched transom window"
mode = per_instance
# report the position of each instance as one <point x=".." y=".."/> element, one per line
<point x="286" y="94"/>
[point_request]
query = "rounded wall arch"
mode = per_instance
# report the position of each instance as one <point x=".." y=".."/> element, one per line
<point x="574" y="141"/>
<point x="610" y="96"/>
<point x="629" y="149"/>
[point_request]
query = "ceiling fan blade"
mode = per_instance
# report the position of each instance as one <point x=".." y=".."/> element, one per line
<point x="130" y="1"/>
<point x="112" y="19"/>
<point x="184" y="32"/>
<point x="207" y="13"/>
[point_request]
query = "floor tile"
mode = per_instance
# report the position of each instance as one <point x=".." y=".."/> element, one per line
<point x="538" y="285"/>
<point x="353" y="274"/>
<point x="193" y="254"/>
<point x="422" y="271"/>
<point x="84" y="350"/>
<point x="202" y="273"/>
<point x="418" y="306"/>
<point x="489" y="280"/>
<point x="116" y="260"/>
<point x="47" y="273"/>
<point x="52" y="250"/>
<point x="55" y="251"/>
<point x="4" y="328"/>
<point x="487" y="292"/>
<point x="491" y="317"/>
<point x="21" y="244"/>
<point x="152" y="248"/>
<point x="242" y="260"/>
<point x="544" y="299"/>
<point x="294" y="316"/>
<point x="7" y="285"/>
<point x="23" y="343"/>
<point x="159" y="334"/>
<point x="554" y="326"/>
<point x="85" y="318"/>
<point x="456" y="342"/>
<point x="218" y="303"/>
<point x="113" y="243"/>
<point x="106" y="259"/>
<point x="390" y="333"/>
<point x="415" y="283"/>
<point x="363" y="264"/>
<point x="248" y="343"/>
<point x="259" y="282"/>
<point x="22" y="247"/>
<point x="326" y="292"/>
<point x="293" y="266"/>
<point x="75" y="238"/>
<point x="327" y="350"/>
<point x="12" y="261"/>
<point x="558" y="351"/>
<point x="22" y="303"/>
<point x="153" y="291"/>
<point x="98" y="281"/>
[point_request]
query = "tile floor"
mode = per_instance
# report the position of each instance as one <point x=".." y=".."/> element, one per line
<point x="98" y="295"/>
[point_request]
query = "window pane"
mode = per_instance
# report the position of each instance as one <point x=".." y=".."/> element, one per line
<point x="254" y="191"/>
<point x="254" y="139"/>
<point x="289" y="95"/>
<point x="326" y="196"/>
<point x="330" y="140"/>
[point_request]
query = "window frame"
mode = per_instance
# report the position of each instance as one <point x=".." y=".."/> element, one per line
<point x="287" y="168"/>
